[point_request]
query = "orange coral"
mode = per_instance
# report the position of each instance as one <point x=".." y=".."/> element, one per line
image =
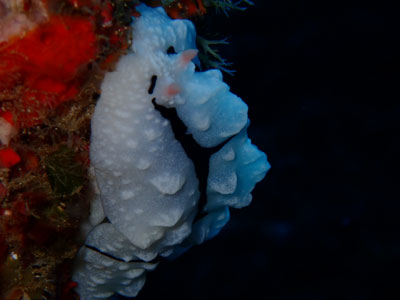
<point x="185" y="9"/>
<point x="8" y="158"/>
<point x="47" y="59"/>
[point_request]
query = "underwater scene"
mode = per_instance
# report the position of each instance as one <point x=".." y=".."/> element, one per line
<point x="197" y="149"/>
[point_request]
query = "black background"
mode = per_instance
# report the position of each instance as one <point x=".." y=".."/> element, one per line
<point x="318" y="77"/>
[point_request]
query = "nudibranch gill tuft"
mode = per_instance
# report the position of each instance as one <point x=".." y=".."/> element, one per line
<point x="151" y="196"/>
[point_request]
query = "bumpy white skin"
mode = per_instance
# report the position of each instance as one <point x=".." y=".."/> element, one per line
<point x="145" y="185"/>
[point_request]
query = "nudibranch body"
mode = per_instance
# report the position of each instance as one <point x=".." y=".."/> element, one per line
<point x="146" y="200"/>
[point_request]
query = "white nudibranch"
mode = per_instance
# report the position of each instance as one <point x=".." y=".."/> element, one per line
<point x="150" y="197"/>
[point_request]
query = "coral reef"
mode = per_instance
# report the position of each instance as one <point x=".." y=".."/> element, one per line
<point x="53" y="58"/>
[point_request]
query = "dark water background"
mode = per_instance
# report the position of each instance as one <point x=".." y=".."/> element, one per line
<point x="319" y="80"/>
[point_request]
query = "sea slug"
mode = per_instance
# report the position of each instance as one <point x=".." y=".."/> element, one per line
<point x="151" y="199"/>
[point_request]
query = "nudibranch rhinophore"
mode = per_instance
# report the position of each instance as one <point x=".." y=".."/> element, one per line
<point x="150" y="198"/>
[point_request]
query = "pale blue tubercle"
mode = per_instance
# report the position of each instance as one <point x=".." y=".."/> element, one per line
<point x="145" y="199"/>
<point x="233" y="173"/>
<point x="211" y="113"/>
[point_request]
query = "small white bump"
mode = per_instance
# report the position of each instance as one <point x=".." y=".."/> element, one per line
<point x="127" y="194"/>
<point x="168" y="183"/>
<point x="97" y="280"/>
<point x="126" y="181"/>
<point x="151" y="134"/>
<point x="131" y="143"/>
<point x="221" y="217"/>
<point x="153" y="149"/>
<point x="143" y="164"/>
<point x="126" y="282"/>
<point x="228" y="155"/>
<point x="139" y="211"/>
<point x="117" y="173"/>
<point x="149" y="117"/>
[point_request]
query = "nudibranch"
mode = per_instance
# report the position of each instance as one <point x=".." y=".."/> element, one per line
<point x="150" y="199"/>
